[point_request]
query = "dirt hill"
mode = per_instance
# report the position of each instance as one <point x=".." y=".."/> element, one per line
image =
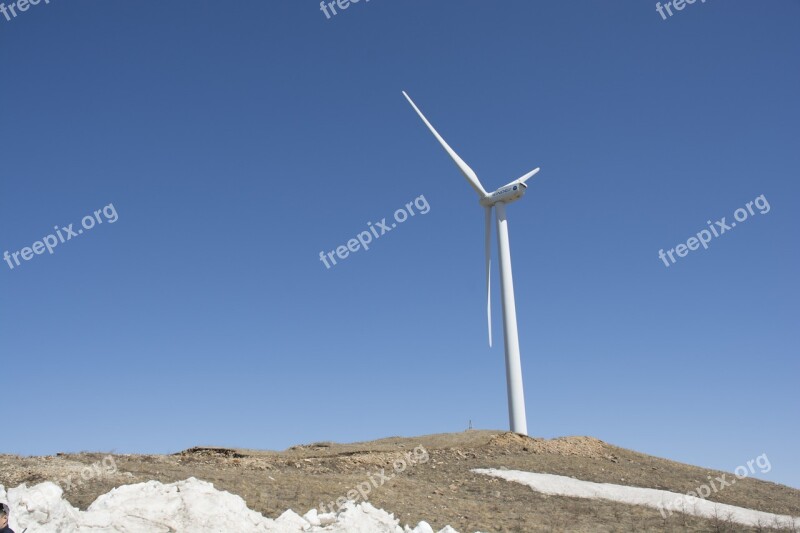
<point x="423" y="478"/>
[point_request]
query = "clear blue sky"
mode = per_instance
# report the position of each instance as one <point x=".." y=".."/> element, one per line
<point x="237" y="141"/>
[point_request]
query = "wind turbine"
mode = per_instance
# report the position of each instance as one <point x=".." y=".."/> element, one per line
<point x="498" y="199"/>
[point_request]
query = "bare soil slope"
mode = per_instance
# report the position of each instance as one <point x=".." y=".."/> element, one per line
<point x="441" y="490"/>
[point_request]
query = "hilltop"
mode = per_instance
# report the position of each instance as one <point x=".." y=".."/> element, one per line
<point x="427" y="478"/>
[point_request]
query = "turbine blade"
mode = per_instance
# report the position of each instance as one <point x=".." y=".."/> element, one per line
<point x="521" y="180"/>
<point x="529" y="175"/>
<point x="488" y="241"/>
<point x="472" y="178"/>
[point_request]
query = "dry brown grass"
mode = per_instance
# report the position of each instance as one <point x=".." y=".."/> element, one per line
<point x="444" y="490"/>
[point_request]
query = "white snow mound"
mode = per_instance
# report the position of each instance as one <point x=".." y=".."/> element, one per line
<point x="660" y="499"/>
<point x="184" y="506"/>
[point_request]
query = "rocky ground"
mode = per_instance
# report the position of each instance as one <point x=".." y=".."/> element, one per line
<point x="423" y="478"/>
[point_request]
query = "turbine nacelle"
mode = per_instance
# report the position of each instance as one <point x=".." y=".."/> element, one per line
<point x="506" y="194"/>
<point x="510" y="192"/>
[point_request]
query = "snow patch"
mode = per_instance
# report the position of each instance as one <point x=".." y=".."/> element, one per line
<point x="184" y="506"/>
<point x="660" y="499"/>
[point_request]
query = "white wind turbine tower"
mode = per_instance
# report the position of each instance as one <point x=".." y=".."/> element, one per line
<point x="498" y="199"/>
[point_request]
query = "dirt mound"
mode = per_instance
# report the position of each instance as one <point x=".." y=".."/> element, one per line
<point x="212" y="452"/>
<point x="566" y="446"/>
<point x="435" y="481"/>
<point x="572" y="446"/>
